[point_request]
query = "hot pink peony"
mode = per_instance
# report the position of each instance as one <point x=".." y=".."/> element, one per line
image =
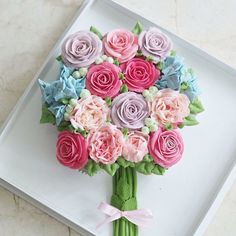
<point x="120" y="44"/>
<point x="166" y="147"/>
<point x="105" y="144"/>
<point x="103" y="80"/>
<point x="169" y="106"/>
<point x="72" y="150"/>
<point x="139" y="74"/>
<point x="89" y="113"/>
<point x="136" y="147"/>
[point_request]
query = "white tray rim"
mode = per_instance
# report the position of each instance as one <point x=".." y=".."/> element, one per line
<point x="223" y="189"/>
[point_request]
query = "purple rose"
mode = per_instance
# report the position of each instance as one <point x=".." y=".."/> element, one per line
<point x="81" y="49"/>
<point x="155" y="44"/>
<point x="129" y="110"/>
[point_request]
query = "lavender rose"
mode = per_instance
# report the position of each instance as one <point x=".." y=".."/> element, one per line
<point x="81" y="49"/>
<point x="129" y="110"/>
<point x="155" y="44"/>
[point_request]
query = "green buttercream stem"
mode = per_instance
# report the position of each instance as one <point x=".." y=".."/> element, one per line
<point x="124" y="191"/>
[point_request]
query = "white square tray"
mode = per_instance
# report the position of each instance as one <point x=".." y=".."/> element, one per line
<point x="183" y="201"/>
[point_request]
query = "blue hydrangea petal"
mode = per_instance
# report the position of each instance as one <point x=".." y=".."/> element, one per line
<point x="58" y="110"/>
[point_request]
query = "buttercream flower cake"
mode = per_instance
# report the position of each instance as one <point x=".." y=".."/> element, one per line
<point x="118" y="103"/>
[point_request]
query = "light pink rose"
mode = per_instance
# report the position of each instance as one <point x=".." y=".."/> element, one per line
<point x="169" y="106"/>
<point x="166" y="147"/>
<point x="139" y="74"/>
<point x="105" y="144"/>
<point x="103" y="80"/>
<point x="120" y="44"/>
<point x="89" y="113"/>
<point x="136" y="147"/>
<point x="72" y="150"/>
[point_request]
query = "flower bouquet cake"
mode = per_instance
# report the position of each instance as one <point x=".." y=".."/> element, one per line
<point x="118" y="103"/>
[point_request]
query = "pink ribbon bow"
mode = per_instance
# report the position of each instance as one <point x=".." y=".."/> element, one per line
<point x="141" y="217"/>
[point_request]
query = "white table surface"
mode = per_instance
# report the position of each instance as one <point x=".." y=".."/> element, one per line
<point x="28" y="31"/>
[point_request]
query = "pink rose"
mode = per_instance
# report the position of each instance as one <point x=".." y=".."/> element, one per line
<point x="105" y="144"/>
<point x="169" y="106"/>
<point x="103" y="80"/>
<point x="72" y="150"/>
<point x="166" y="147"/>
<point x="136" y="147"/>
<point x="120" y="44"/>
<point x="89" y="113"/>
<point x="139" y="74"/>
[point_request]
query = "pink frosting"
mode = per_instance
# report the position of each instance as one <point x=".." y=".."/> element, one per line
<point x="105" y="144"/>
<point x="72" y="150"/>
<point x="120" y="44"/>
<point x="103" y="80"/>
<point x="155" y="44"/>
<point x="89" y="113"/>
<point x="166" y="147"/>
<point x="81" y="49"/>
<point x="136" y="146"/>
<point x="169" y="106"/>
<point x="139" y="74"/>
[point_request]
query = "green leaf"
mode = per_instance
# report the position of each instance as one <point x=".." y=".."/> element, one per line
<point x="116" y="62"/>
<point x="110" y="169"/>
<point x="124" y="190"/>
<point x="121" y="76"/>
<point x="149" y="58"/>
<point x="108" y="101"/>
<point x="183" y="86"/>
<point x="147" y="158"/>
<point x="181" y="125"/>
<point x="59" y="58"/>
<point x="168" y="126"/>
<point x="91" y="168"/>
<point x="196" y="107"/>
<point x="65" y="101"/>
<point x="47" y="116"/>
<point x="125" y="132"/>
<point x="190" y="120"/>
<point x="158" y="170"/>
<point x="65" y="125"/>
<point x="122" y="162"/>
<point x="124" y="88"/>
<point x="138" y="28"/>
<point x="139" y="53"/>
<point x="160" y="65"/>
<point x="173" y="53"/>
<point x="129" y="205"/>
<point x="95" y="31"/>
<point x="144" y="167"/>
<point x="116" y="201"/>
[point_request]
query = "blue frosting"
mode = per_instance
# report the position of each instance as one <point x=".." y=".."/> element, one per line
<point x="66" y="87"/>
<point x="192" y="90"/>
<point x="172" y="70"/>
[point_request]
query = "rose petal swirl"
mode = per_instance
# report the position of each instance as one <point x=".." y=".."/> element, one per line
<point x="155" y="44"/>
<point x="129" y="110"/>
<point x="166" y="147"/>
<point x="81" y="49"/>
<point x="103" y="80"/>
<point x="139" y="74"/>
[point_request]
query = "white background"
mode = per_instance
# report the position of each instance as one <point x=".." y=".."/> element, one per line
<point x="28" y="31"/>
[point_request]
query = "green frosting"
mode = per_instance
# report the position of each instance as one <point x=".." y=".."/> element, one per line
<point x="95" y="31"/>
<point x="196" y="107"/>
<point x="110" y="169"/>
<point x="47" y="116"/>
<point x="59" y="58"/>
<point x="91" y="167"/>
<point x="148" y="168"/>
<point x="108" y="101"/>
<point x="190" y="120"/>
<point x="138" y="28"/>
<point x="124" y="88"/>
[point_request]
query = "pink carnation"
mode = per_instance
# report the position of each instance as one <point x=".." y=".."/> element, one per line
<point x="105" y="144"/>
<point x="166" y="147"/>
<point x="169" y="106"/>
<point x="103" y="80"/>
<point x="120" y="44"/>
<point x="72" y="150"/>
<point x="136" y="147"/>
<point x="89" y="113"/>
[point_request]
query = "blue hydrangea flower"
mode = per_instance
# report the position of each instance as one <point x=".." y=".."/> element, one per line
<point x="58" y="110"/>
<point x="192" y="90"/>
<point x="66" y="87"/>
<point x="172" y="69"/>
